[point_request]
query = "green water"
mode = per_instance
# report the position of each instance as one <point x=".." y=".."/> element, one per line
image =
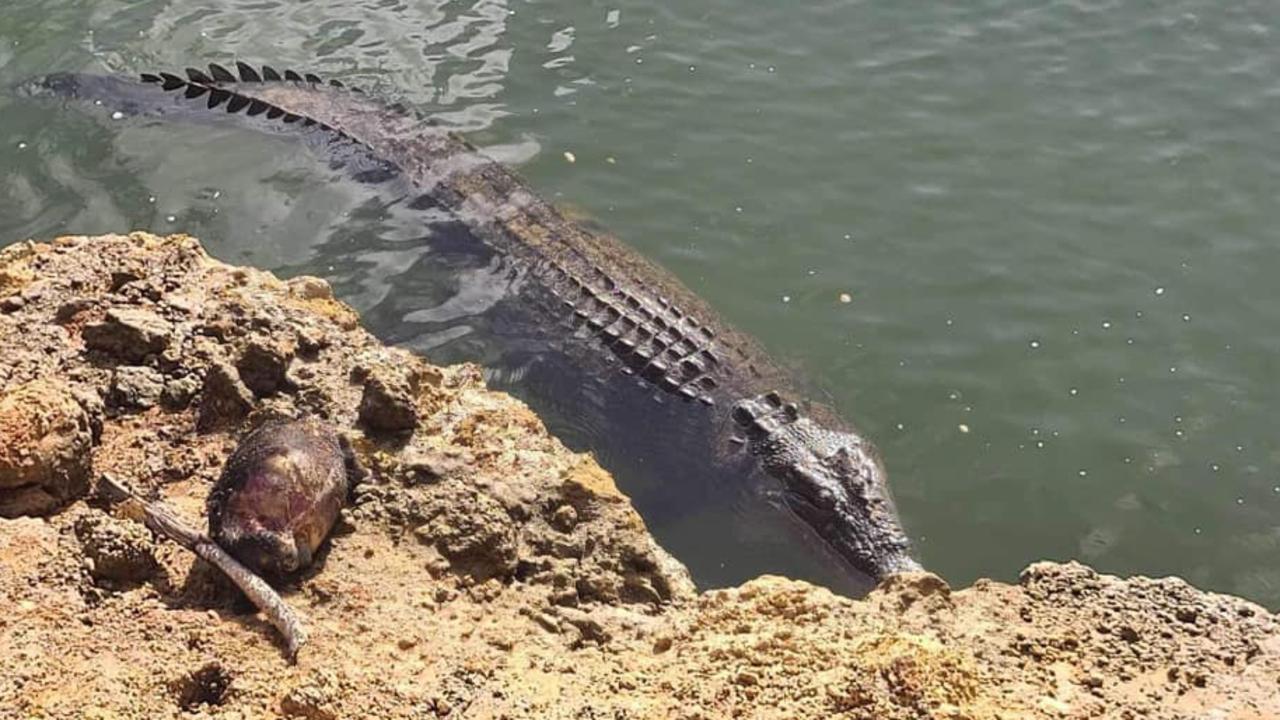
<point x="1056" y="222"/>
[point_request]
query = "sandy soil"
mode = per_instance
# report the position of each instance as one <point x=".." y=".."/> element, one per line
<point x="481" y="570"/>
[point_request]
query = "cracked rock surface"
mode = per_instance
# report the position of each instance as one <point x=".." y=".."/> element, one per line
<point x="480" y="570"/>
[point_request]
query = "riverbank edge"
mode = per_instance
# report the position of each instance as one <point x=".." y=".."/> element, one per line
<point x="482" y="570"/>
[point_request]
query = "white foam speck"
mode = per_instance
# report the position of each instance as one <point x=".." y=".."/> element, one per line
<point x="1159" y="291"/>
<point x="117" y="115"/>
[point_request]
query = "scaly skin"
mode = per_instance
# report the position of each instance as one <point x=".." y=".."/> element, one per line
<point x="608" y="307"/>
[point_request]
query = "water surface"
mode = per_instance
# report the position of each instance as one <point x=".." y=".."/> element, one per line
<point x="1055" y="224"/>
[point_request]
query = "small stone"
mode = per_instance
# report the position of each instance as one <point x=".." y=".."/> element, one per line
<point x="224" y="398"/>
<point x="387" y="405"/>
<point x="308" y="287"/>
<point x="115" y="550"/>
<point x="128" y="333"/>
<point x="135" y="386"/>
<point x="565" y="518"/>
<point x="264" y="365"/>
<point x="662" y="644"/>
<point x="45" y="441"/>
<point x="178" y="392"/>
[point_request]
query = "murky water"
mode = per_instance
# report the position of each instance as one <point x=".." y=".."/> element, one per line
<point x="1055" y="224"/>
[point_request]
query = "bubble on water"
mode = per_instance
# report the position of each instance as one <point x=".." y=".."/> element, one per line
<point x="1159" y="290"/>
<point x="1083" y="472"/>
<point x="117" y="115"/>
<point x="1129" y="341"/>
<point x="1040" y="444"/>
<point x="22" y="146"/>
<point x="1177" y="418"/>
<point x="786" y="298"/>
<point x="612" y="18"/>
<point x="1035" y="344"/>
<point x="847" y="236"/>
<point x="1178" y="432"/>
<point x="1075" y="331"/>
<point x="1239" y="501"/>
<point x="963" y="428"/>
<point x="846" y="298"/>
<point x="171" y="218"/>
<point x="1138" y="314"/>
<point x="1215" y="467"/>
<point x="1106" y="324"/>
<point x="749" y="161"/>
<point x="953" y="395"/>
<point x="612" y="161"/>
<point x="1055" y="433"/>
<point x="1122" y="420"/>
<point x="1197" y="531"/>
<point x="692" y="68"/>
<point x="1239" y="448"/>
<point x="639" y="61"/>
<point x="1173" y="368"/>
<point x="1073" y="391"/>
<point x="1120" y="379"/>
<point x="737" y="208"/>
<point x="950" y="322"/>
<point x="1128" y="460"/>
<point x="1186" y="317"/>
<point x="151" y="199"/>
<point x="772" y="69"/>
<point x="901" y="426"/>
<point x="569" y="157"/>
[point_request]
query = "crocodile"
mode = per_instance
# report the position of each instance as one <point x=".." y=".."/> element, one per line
<point x="612" y="312"/>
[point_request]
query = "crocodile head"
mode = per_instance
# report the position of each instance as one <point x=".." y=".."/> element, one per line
<point x="832" y="480"/>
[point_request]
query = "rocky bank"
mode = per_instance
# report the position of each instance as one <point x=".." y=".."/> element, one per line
<point x="481" y="569"/>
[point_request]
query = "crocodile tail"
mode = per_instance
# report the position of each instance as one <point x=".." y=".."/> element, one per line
<point x="230" y="92"/>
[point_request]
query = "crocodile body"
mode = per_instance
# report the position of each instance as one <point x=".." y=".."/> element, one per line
<point x="610" y="311"/>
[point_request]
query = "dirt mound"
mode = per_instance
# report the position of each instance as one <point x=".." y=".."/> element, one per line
<point x="481" y="570"/>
